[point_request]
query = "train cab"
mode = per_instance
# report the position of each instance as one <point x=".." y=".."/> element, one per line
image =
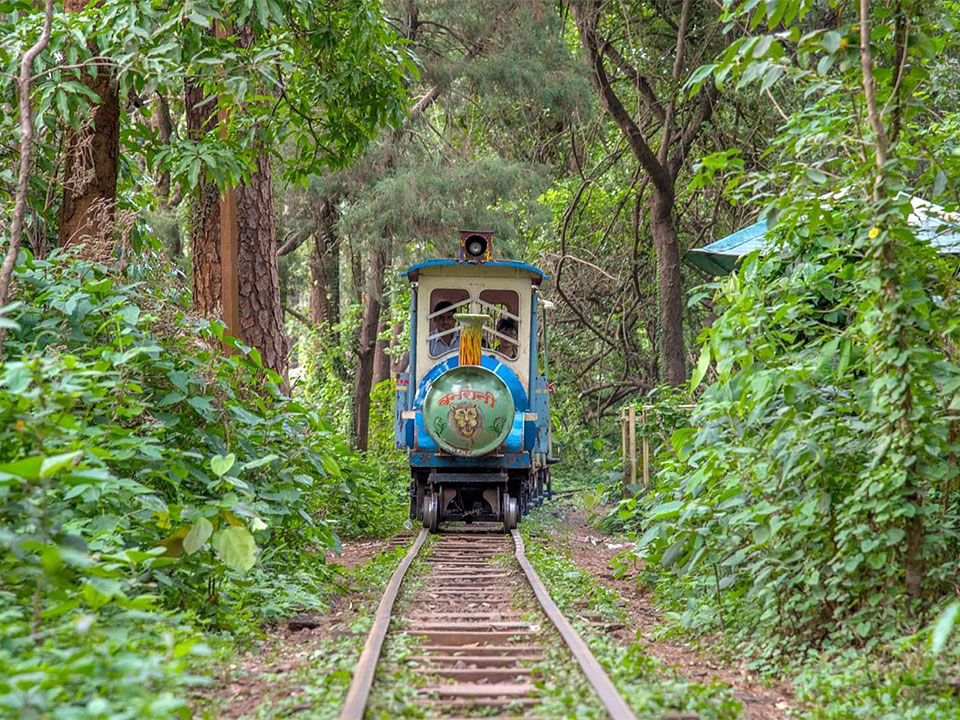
<point x="473" y="409"/>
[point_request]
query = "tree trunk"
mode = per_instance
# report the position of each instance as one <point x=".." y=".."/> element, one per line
<point x="204" y="210"/>
<point x="668" y="273"/>
<point x="90" y="167"/>
<point x="261" y="318"/>
<point x="366" y="346"/>
<point x="161" y="115"/>
<point x="325" y="270"/>
<point x="381" y="361"/>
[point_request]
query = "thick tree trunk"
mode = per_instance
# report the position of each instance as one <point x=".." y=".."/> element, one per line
<point x="366" y="347"/>
<point x="668" y="276"/>
<point x="90" y="168"/>
<point x="261" y="318"/>
<point x="325" y="270"/>
<point x="204" y="210"/>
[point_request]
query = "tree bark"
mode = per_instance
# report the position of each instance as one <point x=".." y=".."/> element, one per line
<point x="26" y="150"/>
<point x="366" y="346"/>
<point x="261" y="318"/>
<point x="90" y="167"/>
<point x="204" y="209"/>
<point x="325" y="270"/>
<point x="668" y="277"/>
<point x="381" y="361"/>
<point x="164" y="124"/>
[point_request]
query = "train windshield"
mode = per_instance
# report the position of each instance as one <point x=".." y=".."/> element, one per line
<point x="500" y="335"/>
<point x="504" y="307"/>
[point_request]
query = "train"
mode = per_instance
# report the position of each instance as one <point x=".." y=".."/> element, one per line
<point x="473" y="407"/>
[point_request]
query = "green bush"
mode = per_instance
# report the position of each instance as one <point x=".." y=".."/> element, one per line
<point x="143" y="471"/>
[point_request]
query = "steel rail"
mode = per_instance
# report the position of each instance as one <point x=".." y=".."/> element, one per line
<point x="604" y="687"/>
<point x="356" y="700"/>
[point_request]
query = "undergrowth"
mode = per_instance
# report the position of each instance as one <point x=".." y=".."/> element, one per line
<point x="152" y="487"/>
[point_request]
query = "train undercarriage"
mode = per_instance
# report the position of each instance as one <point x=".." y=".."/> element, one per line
<point x="481" y="496"/>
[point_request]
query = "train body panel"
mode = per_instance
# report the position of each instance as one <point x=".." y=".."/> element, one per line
<point x="473" y="410"/>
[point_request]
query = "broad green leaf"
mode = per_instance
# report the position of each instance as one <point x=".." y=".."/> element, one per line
<point x="259" y="462"/>
<point x="198" y="535"/>
<point x="702" y="366"/>
<point x="665" y="510"/>
<point x="27" y="468"/>
<point x="55" y="463"/>
<point x="831" y="41"/>
<point x="220" y="465"/>
<point x="943" y="626"/>
<point x="237" y="548"/>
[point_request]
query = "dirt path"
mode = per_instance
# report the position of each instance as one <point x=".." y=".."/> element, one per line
<point x="275" y="669"/>
<point x="592" y="550"/>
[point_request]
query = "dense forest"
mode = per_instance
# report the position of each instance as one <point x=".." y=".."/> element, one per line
<point x="186" y="435"/>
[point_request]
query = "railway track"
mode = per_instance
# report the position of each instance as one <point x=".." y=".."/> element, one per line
<point x="476" y="630"/>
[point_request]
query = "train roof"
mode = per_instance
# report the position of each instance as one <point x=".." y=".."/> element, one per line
<point x="535" y="273"/>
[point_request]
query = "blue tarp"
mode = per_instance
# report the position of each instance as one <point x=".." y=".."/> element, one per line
<point x="931" y="222"/>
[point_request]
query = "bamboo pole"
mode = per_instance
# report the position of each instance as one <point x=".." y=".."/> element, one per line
<point x="623" y="441"/>
<point x="646" y="448"/>
<point x="633" y="443"/>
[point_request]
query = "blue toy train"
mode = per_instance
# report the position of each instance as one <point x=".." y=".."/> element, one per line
<point x="473" y="409"/>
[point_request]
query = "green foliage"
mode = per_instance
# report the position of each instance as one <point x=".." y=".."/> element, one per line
<point x="811" y="502"/>
<point x="145" y="469"/>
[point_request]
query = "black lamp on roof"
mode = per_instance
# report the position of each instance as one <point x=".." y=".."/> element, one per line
<point x="475" y="245"/>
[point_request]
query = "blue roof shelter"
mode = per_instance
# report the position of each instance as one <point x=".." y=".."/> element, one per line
<point x="931" y="222"/>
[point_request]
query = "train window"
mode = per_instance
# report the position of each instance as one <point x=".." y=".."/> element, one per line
<point x="504" y="307"/>
<point x="442" y="333"/>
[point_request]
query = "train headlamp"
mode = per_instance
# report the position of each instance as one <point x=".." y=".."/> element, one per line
<point x="475" y="246"/>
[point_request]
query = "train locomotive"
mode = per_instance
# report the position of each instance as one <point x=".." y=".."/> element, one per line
<point x="473" y="408"/>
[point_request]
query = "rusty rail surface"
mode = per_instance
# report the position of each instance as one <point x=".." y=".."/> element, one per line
<point x="359" y="691"/>
<point x="475" y="645"/>
<point x="604" y="687"/>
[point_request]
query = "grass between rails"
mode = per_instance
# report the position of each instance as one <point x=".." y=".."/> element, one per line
<point x="650" y="686"/>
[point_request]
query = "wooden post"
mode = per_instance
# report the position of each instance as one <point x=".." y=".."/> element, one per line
<point x="633" y="443"/>
<point x="623" y="441"/>
<point x="646" y="448"/>
<point x="229" y="295"/>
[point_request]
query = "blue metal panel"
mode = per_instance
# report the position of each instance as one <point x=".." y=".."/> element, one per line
<point x="414" y="270"/>
<point x="540" y="404"/>
<point x="402" y="396"/>
<point x="422" y="439"/>
<point x="520" y="400"/>
<point x="514" y="441"/>
<point x="507" y="461"/>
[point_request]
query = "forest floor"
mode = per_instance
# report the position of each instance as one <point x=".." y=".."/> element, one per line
<point x="282" y="674"/>
<point x="592" y="550"/>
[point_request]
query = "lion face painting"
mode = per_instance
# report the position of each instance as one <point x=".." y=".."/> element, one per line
<point x="466" y="420"/>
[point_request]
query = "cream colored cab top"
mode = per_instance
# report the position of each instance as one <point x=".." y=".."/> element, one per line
<point x="503" y="293"/>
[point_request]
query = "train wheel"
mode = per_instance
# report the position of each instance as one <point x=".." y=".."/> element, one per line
<point x="430" y="512"/>
<point x="511" y="513"/>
